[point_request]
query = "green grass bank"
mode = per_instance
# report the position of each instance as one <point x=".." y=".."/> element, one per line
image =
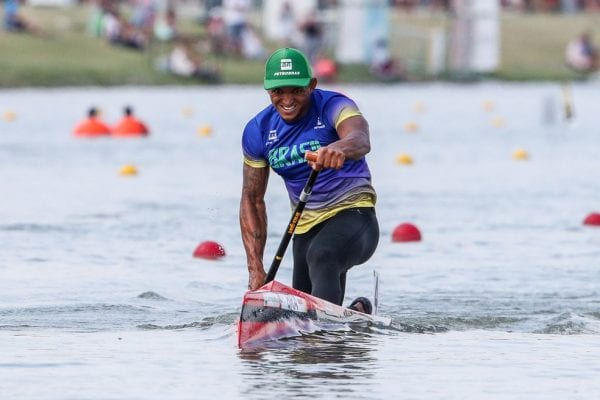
<point x="532" y="50"/>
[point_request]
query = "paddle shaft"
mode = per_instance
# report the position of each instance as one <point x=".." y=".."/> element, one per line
<point x="285" y="240"/>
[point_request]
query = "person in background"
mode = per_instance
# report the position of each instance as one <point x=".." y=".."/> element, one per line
<point x="216" y="31"/>
<point x="92" y="126"/>
<point x="165" y="26"/>
<point x="287" y="22"/>
<point x="312" y="36"/>
<point x="143" y="16"/>
<point x="252" y="47"/>
<point x="383" y="66"/>
<point x="184" y="61"/>
<point x="235" y="15"/>
<point x="338" y="228"/>
<point x="129" y="125"/>
<point x="14" y="21"/>
<point x="581" y="54"/>
<point x="117" y="31"/>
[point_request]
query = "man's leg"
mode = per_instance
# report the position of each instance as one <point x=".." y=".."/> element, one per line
<point x="345" y="240"/>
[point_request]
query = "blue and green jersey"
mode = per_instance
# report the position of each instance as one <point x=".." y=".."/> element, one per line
<point x="269" y="141"/>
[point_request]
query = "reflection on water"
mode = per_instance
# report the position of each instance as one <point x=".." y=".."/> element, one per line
<point x="326" y="359"/>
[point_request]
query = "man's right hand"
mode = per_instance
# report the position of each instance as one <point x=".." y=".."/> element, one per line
<point x="256" y="279"/>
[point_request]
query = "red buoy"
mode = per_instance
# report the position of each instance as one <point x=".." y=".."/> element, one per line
<point x="91" y="127"/>
<point x="209" y="250"/>
<point x="406" y="233"/>
<point x="130" y="126"/>
<point x="592" y="219"/>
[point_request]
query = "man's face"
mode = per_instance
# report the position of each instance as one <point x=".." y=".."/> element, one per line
<point x="292" y="103"/>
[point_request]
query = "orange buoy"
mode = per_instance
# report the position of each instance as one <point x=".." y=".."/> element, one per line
<point x="411" y="127"/>
<point x="209" y="250"/>
<point x="497" y="122"/>
<point x="92" y="126"/>
<point x="488" y="105"/>
<point x="9" y="116"/>
<point x="406" y="232"/>
<point x="592" y="219"/>
<point x="419" y="107"/>
<point x="129" y="126"/>
<point x="187" y="112"/>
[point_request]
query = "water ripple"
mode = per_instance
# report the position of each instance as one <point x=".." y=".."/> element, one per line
<point x="151" y="296"/>
<point x="205" y="323"/>
<point x="32" y="228"/>
<point x="571" y="324"/>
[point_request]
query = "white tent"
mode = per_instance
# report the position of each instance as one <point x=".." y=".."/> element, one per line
<point x="361" y="25"/>
<point x="476" y="36"/>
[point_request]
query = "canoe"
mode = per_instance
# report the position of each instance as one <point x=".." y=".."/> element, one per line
<point x="276" y="311"/>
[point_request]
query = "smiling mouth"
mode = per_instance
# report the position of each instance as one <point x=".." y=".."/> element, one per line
<point x="288" y="109"/>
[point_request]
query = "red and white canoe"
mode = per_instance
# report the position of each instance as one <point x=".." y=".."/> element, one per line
<point x="275" y="311"/>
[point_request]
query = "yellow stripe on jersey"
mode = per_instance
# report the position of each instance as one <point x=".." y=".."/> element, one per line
<point x="255" y="163"/>
<point x="311" y="218"/>
<point x="345" y="114"/>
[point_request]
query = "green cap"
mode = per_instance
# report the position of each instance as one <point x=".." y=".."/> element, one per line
<point x="287" y="67"/>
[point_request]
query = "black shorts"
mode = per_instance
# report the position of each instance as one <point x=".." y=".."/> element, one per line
<point x="323" y="255"/>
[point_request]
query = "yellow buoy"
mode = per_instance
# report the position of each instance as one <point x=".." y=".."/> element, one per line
<point x="205" y="130"/>
<point x="488" y="105"/>
<point x="419" y="107"/>
<point x="411" y="127"/>
<point x="521" y="155"/>
<point x="404" y="158"/>
<point x="497" y="122"/>
<point x="128" y="170"/>
<point x="9" y="116"/>
<point x="187" y="112"/>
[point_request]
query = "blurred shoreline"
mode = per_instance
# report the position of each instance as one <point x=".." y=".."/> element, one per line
<point x="532" y="50"/>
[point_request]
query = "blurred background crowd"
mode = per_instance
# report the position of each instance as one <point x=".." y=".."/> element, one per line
<point x="187" y="37"/>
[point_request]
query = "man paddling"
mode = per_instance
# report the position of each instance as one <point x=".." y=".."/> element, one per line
<point x="338" y="228"/>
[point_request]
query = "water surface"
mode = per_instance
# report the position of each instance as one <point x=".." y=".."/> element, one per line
<point x="101" y="297"/>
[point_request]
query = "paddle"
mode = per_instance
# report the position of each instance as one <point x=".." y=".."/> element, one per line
<point x="306" y="192"/>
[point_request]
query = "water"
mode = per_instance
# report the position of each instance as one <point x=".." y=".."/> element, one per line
<point x="100" y="297"/>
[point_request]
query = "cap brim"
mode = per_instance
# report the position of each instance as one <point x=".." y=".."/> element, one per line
<point x="277" y="83"/>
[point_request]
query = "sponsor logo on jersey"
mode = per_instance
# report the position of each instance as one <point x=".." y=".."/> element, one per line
<point x="272" y="138"/>
<point x="320" y="124"/>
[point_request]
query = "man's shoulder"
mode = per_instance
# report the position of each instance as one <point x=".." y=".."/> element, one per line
<point x="263" y="116"/>
<point x="325" y="97"/>
<point x="326" y="94"/>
